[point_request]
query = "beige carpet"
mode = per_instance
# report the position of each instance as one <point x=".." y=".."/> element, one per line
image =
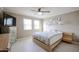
<point x="66" y="47"/>
<point x="27" y="45"/>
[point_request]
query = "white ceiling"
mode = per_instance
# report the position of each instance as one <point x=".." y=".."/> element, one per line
<point x="53" y="11"/>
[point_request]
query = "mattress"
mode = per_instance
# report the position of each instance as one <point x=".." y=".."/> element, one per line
<point x="47" y="38"/>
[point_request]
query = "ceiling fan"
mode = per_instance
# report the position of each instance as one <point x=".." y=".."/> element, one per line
<point x="40" y="11"/>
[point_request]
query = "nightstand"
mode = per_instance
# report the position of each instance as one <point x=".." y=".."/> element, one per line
<point x="67" y="37"/>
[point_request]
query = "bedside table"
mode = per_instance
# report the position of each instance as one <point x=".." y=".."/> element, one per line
<point x="67" y="37"/>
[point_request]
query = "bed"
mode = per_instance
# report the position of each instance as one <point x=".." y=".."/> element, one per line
<point x="47" y="40"/>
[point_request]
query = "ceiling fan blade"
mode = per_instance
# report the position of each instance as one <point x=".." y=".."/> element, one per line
<point x="45" y="11"/>
<point x="35" y="10"/>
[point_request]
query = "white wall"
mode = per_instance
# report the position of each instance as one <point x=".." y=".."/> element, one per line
<point x="70" y="23"/>
<point x="19" y="24"/>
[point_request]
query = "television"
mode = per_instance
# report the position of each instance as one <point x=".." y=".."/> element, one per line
<point x="8" y="21"/>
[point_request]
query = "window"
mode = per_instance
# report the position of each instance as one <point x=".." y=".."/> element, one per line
<point x="27" y="24"/>
<point x="36" y="24"/>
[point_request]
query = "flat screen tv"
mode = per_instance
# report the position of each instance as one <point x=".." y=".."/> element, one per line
<point x="5" y="22"/>
<point x="8" y="21"/>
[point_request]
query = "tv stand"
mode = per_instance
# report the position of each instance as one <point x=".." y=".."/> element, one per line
<point x="6" y="40"/>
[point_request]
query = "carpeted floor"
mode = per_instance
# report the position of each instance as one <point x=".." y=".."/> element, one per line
<point x="67" y="47"/>
<point x="27" y="45"/>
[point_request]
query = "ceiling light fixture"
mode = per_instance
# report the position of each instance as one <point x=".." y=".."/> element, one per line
<point x="40" y="13"/>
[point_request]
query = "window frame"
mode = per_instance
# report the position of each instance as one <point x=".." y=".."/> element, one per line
<point x="26" y="27"/>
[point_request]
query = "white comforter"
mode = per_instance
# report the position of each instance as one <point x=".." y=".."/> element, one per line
<point x="47" y="37"/>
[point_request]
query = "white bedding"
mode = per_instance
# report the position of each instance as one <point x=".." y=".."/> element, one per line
<point x="48" y="37"/>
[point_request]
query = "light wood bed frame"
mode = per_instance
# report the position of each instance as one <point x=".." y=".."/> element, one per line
<point x="48" y="48"/>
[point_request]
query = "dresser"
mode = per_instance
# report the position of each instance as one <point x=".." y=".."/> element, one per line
<point x="6" y="40"/>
